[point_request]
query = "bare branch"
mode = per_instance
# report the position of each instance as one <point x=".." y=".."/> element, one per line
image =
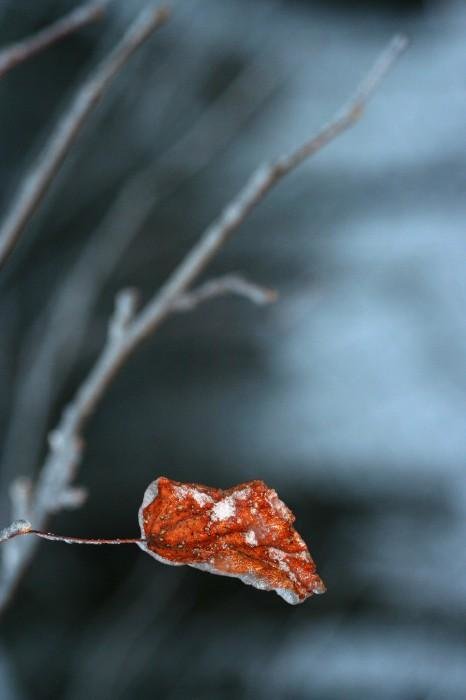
<point x="230" y="284"/>
<point x="21" y="497"/>
<point x="17" y="527"/>
<point x="125" y="307"/>
<point x="127" y="332"/>
<point x="259" y="184"/>
<point x="43" y="171"/>
<point x="70" y="499"/>
<point x="24" y="527"/>
<point x="13" y="55"/>
<point x="52" y="345"/>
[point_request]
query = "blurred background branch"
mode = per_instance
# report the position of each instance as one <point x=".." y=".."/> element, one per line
<point x="52" y="344"/>
<point x="39" y="178"/>
<point x="13" y="55"/>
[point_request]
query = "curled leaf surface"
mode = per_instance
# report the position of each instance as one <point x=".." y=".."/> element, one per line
<point x="245" y="531"/>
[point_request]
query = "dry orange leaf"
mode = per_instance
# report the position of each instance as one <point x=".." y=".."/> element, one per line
<point x="245" y="531"/>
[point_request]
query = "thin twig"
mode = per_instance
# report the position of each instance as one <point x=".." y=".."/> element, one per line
<point x="128" y="328"/>
<point x="83" y="540"/>
<point x="17" y="53"/>
<point x="20" y="493"/>
<point x="260" y="183"/>
<point x="17" y="527"/>
<point x="24" y="527"/>
<point x="229" y="284"/>
<point x="53" y="343"/>
<point x="43" y="171"/>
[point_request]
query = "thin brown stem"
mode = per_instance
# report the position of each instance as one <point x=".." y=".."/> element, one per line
<point x="23" y="527"/>
<point x="43" y="171"/>
<point x="17" y="53"/>
<point x="84" y="540"/>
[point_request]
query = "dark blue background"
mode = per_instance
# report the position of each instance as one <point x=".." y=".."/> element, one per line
<point x="347" y="395"/>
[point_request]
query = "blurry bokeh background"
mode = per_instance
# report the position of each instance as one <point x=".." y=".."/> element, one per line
<point x="348" y="395"/>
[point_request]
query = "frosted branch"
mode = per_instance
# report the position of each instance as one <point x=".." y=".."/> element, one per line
<point x="43" y="171"/>
<point x="17" y="53"/>
<point x="52" y="345"/>
<point x="257" y="187"/>
<point x="17" y="527"/>
<point x="230" y="284"/>
<point x="127" y="329"/>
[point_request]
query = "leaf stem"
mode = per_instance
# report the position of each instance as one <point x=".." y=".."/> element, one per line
<point x="84" y="540"/>
<point x="23" y="527"/>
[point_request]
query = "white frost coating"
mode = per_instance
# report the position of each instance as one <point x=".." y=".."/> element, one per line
<point x="250" y="538"/>
<point x="150" y="494"/>
<point x="223" y="509"/>
<point x="279" y="507"/>
<point x="226" y="508"/>
<point x="303" y="555"/>
<point x="202" y="499"/>
<point x="252" y="580"/>
<point x="243" y="494"/>
<point x="288" y="596"/>
<point x="280" y="557"/>
<point x="18" y="527"/>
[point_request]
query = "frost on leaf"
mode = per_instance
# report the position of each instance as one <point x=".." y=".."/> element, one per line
<point x="245" y="531"/>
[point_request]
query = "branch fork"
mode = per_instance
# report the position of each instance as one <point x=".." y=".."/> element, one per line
<point x="128" y="327"/>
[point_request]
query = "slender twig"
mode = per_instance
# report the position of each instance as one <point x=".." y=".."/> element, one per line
<point x="53" y="343"/>
<point x="43" y="171"/>
<point x="83" y="540"/>
<point x="24" y="527"/>
<point x="17" y="527"/>
<point x="260" y="183"/>
<point x="128" y="328"/>
<point x="229" y="284"/>
<point x="20" y="493"/>
<point x="17" y="53"/>
<point x="123" y="336"/>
